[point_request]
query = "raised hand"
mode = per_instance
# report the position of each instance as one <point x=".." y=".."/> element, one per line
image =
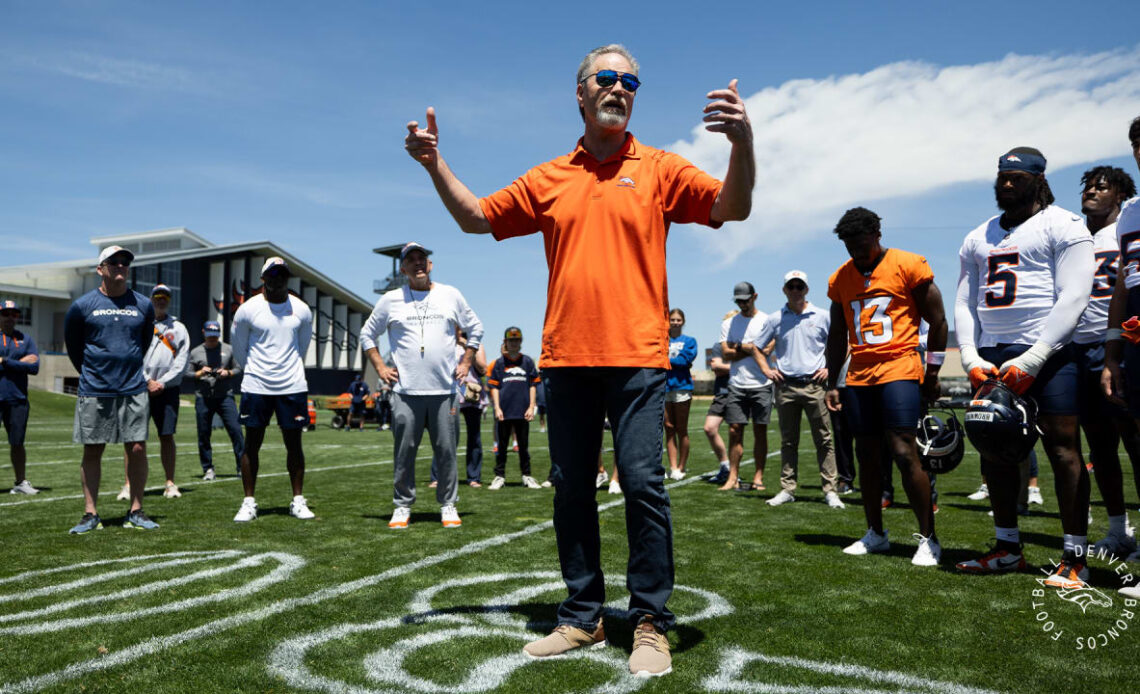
<point x="726" y="114"/>
<point x="423" y="144"/>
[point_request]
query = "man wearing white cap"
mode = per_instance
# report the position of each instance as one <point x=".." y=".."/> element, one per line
<point x="271" y="333"/>
<point x="422" y="320"/>
<point x="107" y="332"/>
<point x="800" y="331"/>
<point x="18" y="358"/>
<point x="162" y="367"/>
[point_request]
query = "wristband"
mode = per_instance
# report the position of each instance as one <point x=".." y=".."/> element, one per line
<point x="1114" y="334"/>
<point x="935" y="358"/>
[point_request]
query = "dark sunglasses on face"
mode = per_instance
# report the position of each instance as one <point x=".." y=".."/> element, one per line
<point x="118" y="263"/>
<point x="796" y="286"/>
<point x="607" y="78"/>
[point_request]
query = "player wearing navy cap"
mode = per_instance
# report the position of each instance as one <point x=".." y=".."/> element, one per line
<point x="18" y="358"/>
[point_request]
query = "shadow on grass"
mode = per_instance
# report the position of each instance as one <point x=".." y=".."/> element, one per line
<point x="841" y="541"/>
<point x="417" y="516"/>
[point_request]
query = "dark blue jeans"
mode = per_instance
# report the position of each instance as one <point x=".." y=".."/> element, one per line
<point x="577" y="401"/>
<point x="473" y="418"/>
<point x="205" y="409"/>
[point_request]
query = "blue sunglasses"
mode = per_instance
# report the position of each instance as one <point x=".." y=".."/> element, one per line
<point x="607" y="78"/>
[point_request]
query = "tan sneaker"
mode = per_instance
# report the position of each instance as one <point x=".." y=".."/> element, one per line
<point x="565" y="638"/>
<point x="650" y="657"/>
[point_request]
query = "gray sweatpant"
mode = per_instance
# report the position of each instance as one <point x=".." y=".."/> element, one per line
<point x="410" y="415"/>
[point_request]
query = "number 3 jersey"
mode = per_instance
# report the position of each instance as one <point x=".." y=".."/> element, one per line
<point x="1007" y="278"/>
<point x="1094" y="321"/>
<point x="882" y="317"/>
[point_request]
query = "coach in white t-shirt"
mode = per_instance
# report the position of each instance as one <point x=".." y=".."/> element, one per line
<point x="271" y="333"/>
<point x="749" y="390"/>
<point x="421" y="321"/>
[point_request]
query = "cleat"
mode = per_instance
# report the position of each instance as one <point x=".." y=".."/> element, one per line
<point x="299" y="508"/>
<point x="449" y="516"/>
<point x="89" y="522"/>
<point x="1069" y="575"/>
<point x="1118" y="545"/>
<point x="547" y="484"/>
<point x="124" y="493"/>
<point x="998" y="561"/>
<point x="530" y="482"/>
<point x="615" y="487"/>
<point x="600" y="480"/>
<point x="782" y="498"/>
<point x="929" y="552"/>
<point x="982" y="493"/>
<point x="209" y="475"/>
<point x="171" y="491"/>
<point x="871" y="543"/>
<point x="934" y="508"/>
<point x="650" y="656"/>
<point x="565" y="638"/>
<point x="139" y="521"/>
<point x="833" y="500"/>
<point x="400" y="518"/>
<point x="887" y="502"/>
<point x="247" y="512"/>
<point x="1035" y="496"/>
<point x="1131" y="591"/>
<point x="24" y="487"/>
<point x="497" y="483"/>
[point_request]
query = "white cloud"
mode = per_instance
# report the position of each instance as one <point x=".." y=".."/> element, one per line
<point x="908" y="128"/>
<point x="104" y="69"/>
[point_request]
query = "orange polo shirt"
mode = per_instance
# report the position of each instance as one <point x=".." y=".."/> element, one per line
<point x="882" y="317"/>
<point x="604" y="227"/>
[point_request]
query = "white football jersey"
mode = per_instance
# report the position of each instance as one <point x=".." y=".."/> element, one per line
<point x="1128" y="241"/>
<point x="1094" y="321"/>
<point x="1015" y="289"/>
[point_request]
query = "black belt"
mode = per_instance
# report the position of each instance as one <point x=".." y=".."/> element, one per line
<point x="799" y="380"/>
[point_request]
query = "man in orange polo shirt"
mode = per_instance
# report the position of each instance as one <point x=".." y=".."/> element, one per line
<point x="604" y="211"/>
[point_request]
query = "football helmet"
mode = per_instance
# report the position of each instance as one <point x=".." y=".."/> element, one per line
<point x="941" y="441"/>
<point x="1001" y="424"/>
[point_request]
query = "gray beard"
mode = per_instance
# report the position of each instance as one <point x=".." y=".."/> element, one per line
<point x="611" y="119"/>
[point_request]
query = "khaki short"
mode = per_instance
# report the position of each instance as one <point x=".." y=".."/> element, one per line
<point x="117" y="419"/>
<point x="678" y="396"/>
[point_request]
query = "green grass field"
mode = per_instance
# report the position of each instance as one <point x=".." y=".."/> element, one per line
<point x="766" y="601"/>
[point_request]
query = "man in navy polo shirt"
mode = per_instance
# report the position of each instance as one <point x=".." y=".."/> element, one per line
<point x="18" y="358"/>
<point x="107" y="332"/>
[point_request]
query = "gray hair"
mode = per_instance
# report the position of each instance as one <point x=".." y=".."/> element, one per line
<point x="588" y="62"/>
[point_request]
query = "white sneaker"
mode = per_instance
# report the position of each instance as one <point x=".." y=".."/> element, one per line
<point x="1119" y="545"/>
<point x="24" y="487"/>
<point x="171" y="491"/>
<point x="400" y="516"/>
<point x="209" y="475"/>
<point x="547" y="484"/>
<point x="247" y="512"/>
<point x="982" y="493"/>
<point x="124" y="493"/>
<point x="530" y="482"/>
<point x="784" y="497"/>
<point x="300" y="509"/>
<point x="929" y="551"/>
<point x="496" y="483"/>
<point x="449" y="516"/>
<point x="833" y="500"/>
<point x="1035" y="496"/>
<point x="600" y="480"/>
<point x="676" y="474"/>
<point x="870" y="543"/>
<point x="615" y="488"/>
<point x="542" y="430"/>
<point x="1132" y="591"/>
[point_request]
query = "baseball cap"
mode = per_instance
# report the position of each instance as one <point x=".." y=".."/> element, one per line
<point x="273" y="262"/>
<point x="512" y="333"/>
<point x="743" y="290"/>
<point x="160" y="289"/>
<point x="106" y="253"/>
<point x="8" y="305"/>
<point x="412" y="246"/>
<point x="213" y="329"/>
<point x="796" y="275"/>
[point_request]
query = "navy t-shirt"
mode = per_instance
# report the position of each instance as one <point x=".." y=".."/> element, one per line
<point x="13" y="372"/>
<point x="513" y="380"/>
<point x="358" y="390"/>
<point x="106" y="340"/>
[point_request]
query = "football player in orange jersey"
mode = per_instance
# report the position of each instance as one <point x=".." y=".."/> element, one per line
<point x="878" y="299"/>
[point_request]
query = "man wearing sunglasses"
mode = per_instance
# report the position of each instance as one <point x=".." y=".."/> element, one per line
<point x="107" y="331"/>
<point x="605" y="208"/>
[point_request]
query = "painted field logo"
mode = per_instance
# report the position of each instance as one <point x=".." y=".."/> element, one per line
<point x="1113" y="614"/>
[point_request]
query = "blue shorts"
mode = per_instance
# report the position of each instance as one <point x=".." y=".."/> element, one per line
<point x="871" y="410"/>
<point x="14" y="417"/>
<point x="356" y="408"/>
<point x="1091" y="403"/>
<point x="1055" y="388"/>
<point x="292" y="410"/>
<point x="164" y="411"/>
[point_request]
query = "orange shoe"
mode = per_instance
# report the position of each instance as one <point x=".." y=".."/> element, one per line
<point x="1069" y="575"/>
<point x="400" y="518"/>
<point x="449" y="516"/>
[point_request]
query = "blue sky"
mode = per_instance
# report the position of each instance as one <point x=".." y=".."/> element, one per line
<point x="285" y="120"/>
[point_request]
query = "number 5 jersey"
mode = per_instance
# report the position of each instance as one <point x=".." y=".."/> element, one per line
<point x="882" y="317"/>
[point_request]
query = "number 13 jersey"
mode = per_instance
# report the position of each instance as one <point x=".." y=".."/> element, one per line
<point x="1009" y="275"/>
<point x="882" y="317"/>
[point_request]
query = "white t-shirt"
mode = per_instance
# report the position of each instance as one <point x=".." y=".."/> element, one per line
<point x="1094" y="321"/>
<point x="744" y="374"/>
<point x="421" y="335"/>
<point x="166" y="358"/>
<point x="1010" y="274"/>
<point x="269" y="342"/>
<point x="1128" y="241"/>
